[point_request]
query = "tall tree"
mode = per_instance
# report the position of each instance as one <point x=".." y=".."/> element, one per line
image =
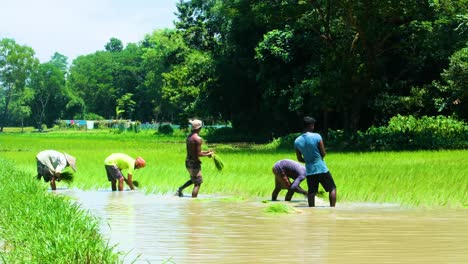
<point x="16" y="65"/>
<point x="92" y="79"/>
<point x="114" y="45"/>
<point x="162" y="51"/>
<point x="60" y="61"/>
<point x="48" y="83"/>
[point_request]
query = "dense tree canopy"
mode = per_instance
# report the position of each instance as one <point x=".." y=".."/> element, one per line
<point x="260" y="65"/>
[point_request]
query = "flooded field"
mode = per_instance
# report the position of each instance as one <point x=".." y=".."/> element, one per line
<point x="168" y="229"/>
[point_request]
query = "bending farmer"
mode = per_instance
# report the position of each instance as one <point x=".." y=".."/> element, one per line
<point x="284" y="170"/>
<point x="117" y="162"/>
<point x="51" y="163"/>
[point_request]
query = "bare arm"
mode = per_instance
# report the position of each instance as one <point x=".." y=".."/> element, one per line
<point x="206" y="153"/>
<point x="129" y="181"/>
<point x="295" y="186"/>
<point x="322" y="149"/>
<point x="299" y="156"/>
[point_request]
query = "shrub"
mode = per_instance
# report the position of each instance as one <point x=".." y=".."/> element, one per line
<point x="229" y="134"/>
<point x="401" y="133"/>
<point x="410" y="133"/>
<point x="166" y="129"/>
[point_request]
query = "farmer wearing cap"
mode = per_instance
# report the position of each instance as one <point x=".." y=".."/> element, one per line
<point x="284" y="170"/>
<point x="117" y="162"/>
<point x="192" y="161"/>
<point x="311" y="151"/>
<point x="51" y="163"/>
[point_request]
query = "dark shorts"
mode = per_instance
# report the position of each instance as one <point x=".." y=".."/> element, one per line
<point x="113" y="173"/>
<point x="325" y="179"/>
<point x="194" y="169"/>
<point x="43" y="170"/>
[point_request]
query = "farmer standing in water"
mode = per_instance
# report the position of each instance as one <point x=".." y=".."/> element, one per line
<point x="311" y="151"/>
<point x="192" y="161"/>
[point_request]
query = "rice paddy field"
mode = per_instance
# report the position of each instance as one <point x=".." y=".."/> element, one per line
<point x="40" y="227"/>
<point x="421" y="178"/>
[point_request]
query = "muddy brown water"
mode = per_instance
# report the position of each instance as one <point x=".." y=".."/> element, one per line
<point x="168" y="229"/>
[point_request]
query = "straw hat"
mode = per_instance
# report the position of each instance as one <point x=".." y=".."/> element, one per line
<point x="71" y="161"/>
<point x="196" y="124"/>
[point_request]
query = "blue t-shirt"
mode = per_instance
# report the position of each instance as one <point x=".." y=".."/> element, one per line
<point x="308" y="145"/>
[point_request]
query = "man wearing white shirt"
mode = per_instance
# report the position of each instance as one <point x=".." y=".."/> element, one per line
<point x="51" y="163"/>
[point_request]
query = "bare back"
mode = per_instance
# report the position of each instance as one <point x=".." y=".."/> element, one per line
<point x="193" y="144"/>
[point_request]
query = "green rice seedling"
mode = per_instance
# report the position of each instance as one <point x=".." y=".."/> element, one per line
<point x="67" y="177"/>
<point x="45" y="228"/>
<point x="218" y="162"/>
<point x="406" y="178"/>
<point x="280" y="208"/>
<point x="136" y="183"/>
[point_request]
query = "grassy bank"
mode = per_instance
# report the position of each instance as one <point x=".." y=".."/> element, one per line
<point x="40" y="227"/>
<point x="420" y="178"/>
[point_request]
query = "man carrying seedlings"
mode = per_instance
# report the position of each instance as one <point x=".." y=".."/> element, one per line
<point x="311" y="151"/>
<point x="117" y="162"/>
<point x="192" y="161"/>
<point x="51" y="163"/>
<point x="284" y="170"/>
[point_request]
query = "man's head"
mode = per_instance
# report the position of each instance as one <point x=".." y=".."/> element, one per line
<point x="196" y="124"/>
<point x="309" y="123"/>
<point x="139" y="163"/>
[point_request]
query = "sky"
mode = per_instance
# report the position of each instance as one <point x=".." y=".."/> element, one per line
<point x="80" y="27"/>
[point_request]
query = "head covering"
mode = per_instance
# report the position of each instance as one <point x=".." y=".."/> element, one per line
<point x="196" y="124"/>
<point x="140" y="161"/>
<point x="71" y="161"/>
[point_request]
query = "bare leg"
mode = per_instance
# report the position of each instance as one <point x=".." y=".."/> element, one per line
<point x="274" y="194"/>
<point x="114" y="185"/>
<point x="289" y="195"/>
<point x="186" y="184"/>
<point x="195" y="190"/>
<point x="52" y="184"/>
<point x="181" y="188"/>
<point x="332" y="197"/>
<point x="121" y="184"/>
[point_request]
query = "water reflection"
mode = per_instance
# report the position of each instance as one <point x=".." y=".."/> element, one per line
<point x="155" y="228"/>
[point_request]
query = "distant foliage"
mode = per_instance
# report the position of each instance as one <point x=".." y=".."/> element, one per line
<point x="408" y="133"/>
<point x="166" y="129"/>
<point x="91" y="116"/>
<point x="229" y="134"/>
<point x="401" y="133"/>
<point x="284" y="142"/>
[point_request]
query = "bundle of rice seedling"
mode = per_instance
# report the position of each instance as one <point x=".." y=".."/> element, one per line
<point x="136" y="183"/>
<point x="67" y="176"/>
<point x="279" y="208"/>
<point x="218" y="162"/>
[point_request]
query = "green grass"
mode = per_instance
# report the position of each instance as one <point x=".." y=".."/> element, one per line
<point x="421" y="178"/>
<point x="40" y="227"/>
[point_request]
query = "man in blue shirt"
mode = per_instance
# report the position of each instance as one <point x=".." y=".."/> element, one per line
<point x="311" y="151"/>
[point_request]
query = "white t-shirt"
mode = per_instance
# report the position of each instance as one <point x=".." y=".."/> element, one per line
<point x="53" y="159"/>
